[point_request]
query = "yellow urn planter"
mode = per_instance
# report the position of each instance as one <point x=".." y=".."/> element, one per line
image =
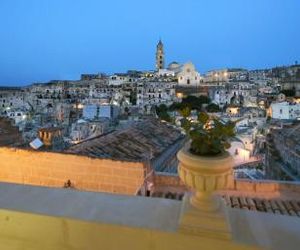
<point x="204" y="175"/>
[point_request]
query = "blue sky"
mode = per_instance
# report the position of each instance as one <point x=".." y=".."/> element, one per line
<point x="60" y="39"/>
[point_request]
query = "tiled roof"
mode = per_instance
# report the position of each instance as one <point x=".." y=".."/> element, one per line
<point x="144" y="140"/>
<point x="276" y="206"/>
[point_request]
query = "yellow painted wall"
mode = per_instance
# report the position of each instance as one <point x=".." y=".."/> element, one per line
<point x="29" y="232"/>
<point x="54" y="169"/>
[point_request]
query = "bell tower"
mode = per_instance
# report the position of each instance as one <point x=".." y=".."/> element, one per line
<point x="160" y="56"/>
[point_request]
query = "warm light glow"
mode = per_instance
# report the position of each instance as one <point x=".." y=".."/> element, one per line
<point x="179" y="95"/>
<point x="233" y="110"/>
<point x="80" y="106"/>
<point x="297" y="99"/>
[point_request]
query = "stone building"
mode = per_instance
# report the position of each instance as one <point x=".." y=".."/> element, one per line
<point x="285" y="110"/>
<point x="17" y="116"/>
<point x="93" y="111"/>
<point x="85" y="129"/>
<point x="9" y="134"/>
<point x="261" y="77"/>
<point x="188" y="76"/>
<point x="120" y="79"/>
<point x="237" y="94"/>
<point x="98" y="76"/>
<point x="52" y="137"/>
<point x="12" y="98"/>
<point x="292" y="85"/>
<point x="226" y="75"/>
<point x="155" y="93"/>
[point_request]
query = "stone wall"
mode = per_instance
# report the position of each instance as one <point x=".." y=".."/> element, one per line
<point x="55" y="169"/>
<point x="266" y="186"/>
<point x="165" y="183"/>
<point x="166" y="179"/>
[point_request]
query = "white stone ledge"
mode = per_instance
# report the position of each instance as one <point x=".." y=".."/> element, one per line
<point x="124" y="210"/>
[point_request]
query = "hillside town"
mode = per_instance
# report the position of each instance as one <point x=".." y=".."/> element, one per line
<point x="64" y="115"/>
<point x="149" y="125"/>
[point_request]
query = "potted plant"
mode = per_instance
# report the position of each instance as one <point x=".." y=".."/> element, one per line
<point x="204" y="164"/>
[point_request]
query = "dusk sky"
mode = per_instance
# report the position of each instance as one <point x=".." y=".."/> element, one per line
<point x="60" y="39"/>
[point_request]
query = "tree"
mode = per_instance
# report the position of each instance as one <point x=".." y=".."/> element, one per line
<point x="162" y="112"/>
<point x="126" y="109"/>
<point x="289" y="92"/>
<point x="132" y="97"/>
<point x="212" y="108"/>
<point x="195" y="102"/>
<point x="185" y="112"/>
<point x="174" y="106"/>
<point x="185" y="123"/>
